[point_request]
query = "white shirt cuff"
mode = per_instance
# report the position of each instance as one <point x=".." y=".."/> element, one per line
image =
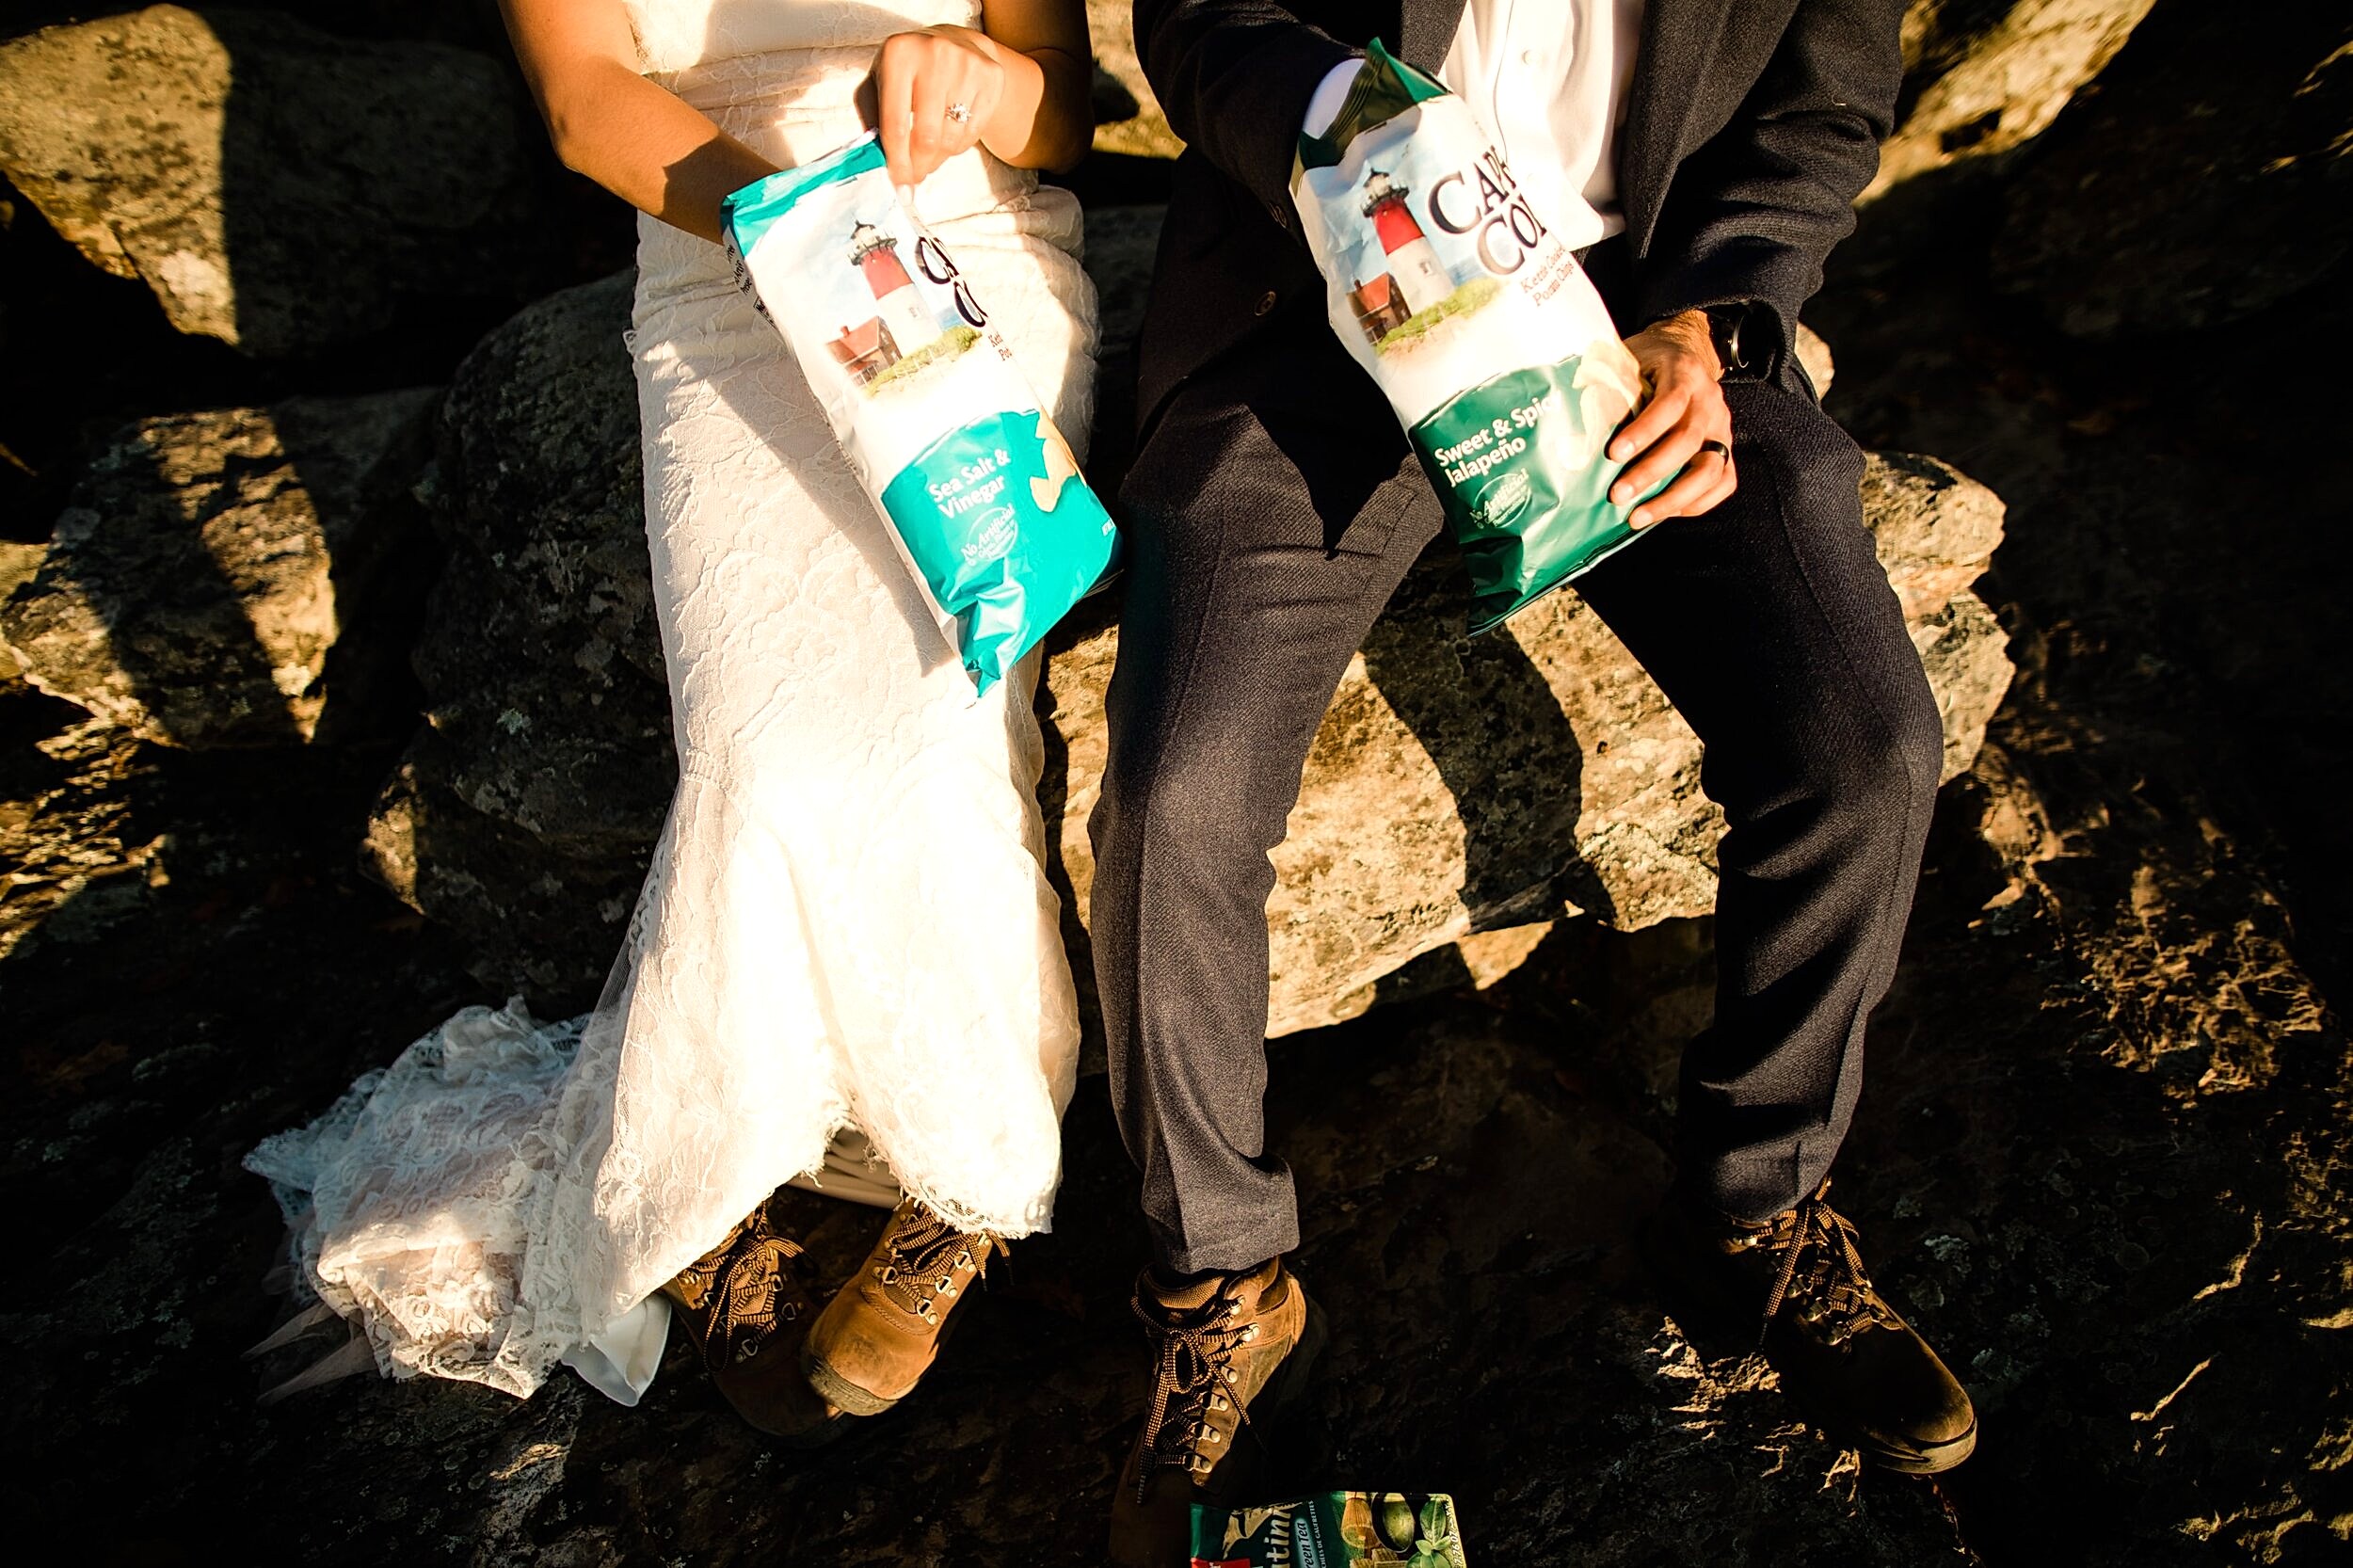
<point x="1324" y="108"/>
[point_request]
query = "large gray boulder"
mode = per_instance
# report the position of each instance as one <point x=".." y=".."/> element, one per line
<point x="1464" y="784"/>
<point x="276" y="187"/>
<point x="207" y="565"/>
<point x="1458" y="784"/>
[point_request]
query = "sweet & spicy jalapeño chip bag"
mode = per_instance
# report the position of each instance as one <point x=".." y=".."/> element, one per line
<point x="1476" y="323"/>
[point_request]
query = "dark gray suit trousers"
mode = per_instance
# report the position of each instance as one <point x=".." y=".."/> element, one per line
<point x="1272" y="511"/>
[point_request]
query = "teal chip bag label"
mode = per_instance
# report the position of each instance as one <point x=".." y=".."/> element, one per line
<point x="1478" y="326"/>
<point x="981" y="492"/>
<point x="1332" y="1529"/>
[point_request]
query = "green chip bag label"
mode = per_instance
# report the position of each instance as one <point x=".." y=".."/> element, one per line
<point x="1518" y="468"/>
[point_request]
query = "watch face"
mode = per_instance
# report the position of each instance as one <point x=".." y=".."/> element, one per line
<point x="1723" y="325"/>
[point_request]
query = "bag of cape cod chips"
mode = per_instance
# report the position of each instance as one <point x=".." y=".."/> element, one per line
<point x="1478" y="324"/>
<point x="979" y="487"/>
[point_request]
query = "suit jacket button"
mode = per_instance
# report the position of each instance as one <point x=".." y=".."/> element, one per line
<point x="1266" y="303"/>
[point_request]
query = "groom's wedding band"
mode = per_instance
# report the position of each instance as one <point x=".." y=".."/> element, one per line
<point x="959" y="112"/>
<point x="1719" y="448"/>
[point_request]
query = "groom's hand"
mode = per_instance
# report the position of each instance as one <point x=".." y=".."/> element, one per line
<point x="1684" y="409"/>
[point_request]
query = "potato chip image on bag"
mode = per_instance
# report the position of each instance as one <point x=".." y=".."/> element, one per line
<point x="1332" y="1529"/>
<point x="1479" y="327"/>
<point x="982" y="494"/>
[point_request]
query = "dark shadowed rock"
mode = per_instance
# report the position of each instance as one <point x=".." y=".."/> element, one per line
<point x="279" y="188"/>
<point x="2184" y="197"/>
<point x="18" y="562"/>
<point x="1109" y="100"/>
<point x="1457" y="784"/>
<point x="208" y="564"/>
<point x="1121" y="242"/>
<point x="525" y="809"/>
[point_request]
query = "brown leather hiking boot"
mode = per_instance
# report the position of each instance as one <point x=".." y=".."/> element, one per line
<point x="879" y="1334"/>
<point x="1230" y="1351"/>
<point x="1845" y="1355"/>
<point x="744" y="1307"/>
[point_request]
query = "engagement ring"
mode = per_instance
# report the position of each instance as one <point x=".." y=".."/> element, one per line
<point x="959" y="112"/>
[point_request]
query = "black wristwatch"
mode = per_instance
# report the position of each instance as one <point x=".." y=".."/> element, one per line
<point x="1723" y="330"/>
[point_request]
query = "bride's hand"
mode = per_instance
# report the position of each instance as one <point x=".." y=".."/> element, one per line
<point x="922" y="80"/>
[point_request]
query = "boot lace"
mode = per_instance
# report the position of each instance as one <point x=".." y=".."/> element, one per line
<point x="1822" y="1278"/>
<point x="921" y="1258"/>
<point x="744" y="1284"/>
<point x="1195" y="1377"/>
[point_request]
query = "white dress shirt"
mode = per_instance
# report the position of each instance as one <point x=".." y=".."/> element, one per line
<point x="1549" y="79"/>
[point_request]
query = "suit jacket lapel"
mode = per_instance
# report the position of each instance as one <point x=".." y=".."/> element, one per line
<point x="1426" y="29"/>
<point x="1679" y="44"/>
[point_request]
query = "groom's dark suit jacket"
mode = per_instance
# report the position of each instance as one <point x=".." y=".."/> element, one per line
<point x="1750" y="127"/>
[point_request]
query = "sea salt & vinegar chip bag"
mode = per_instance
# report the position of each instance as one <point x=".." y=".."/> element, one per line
<point x="979" y="487"/>
<point x="1479" y="327"/>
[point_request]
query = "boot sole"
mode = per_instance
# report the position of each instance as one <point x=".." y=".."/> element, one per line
<point x="855" y="1399"/>
<point x="1922" y="1462"/>
<point x="840" y="1391"/>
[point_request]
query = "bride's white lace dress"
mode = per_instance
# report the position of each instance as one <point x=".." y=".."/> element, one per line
<point x="847" y="928"/>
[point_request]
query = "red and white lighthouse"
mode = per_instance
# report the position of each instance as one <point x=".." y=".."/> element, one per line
<point x="1413" y="264"/>
<point x="896" y="303"/>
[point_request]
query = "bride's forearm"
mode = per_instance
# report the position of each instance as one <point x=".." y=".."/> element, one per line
<point x="630" y="136"/>
<point x="647" y="147"/>
<point x="1045" y="118"/>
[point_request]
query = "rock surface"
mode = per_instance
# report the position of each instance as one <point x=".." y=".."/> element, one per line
<point x="276" y="187"/>
<point x="208" y="565"/>
<point x="524" y="811"/>
<point x="1143" y="132"/>
<point x="1997" y="75"/>
<point x="1457" y="784"/>
<point x="2183" y="198"/>
<point x="19" y="563"/>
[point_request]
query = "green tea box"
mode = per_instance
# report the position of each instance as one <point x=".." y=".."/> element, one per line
<point x="1332" y="1529"/>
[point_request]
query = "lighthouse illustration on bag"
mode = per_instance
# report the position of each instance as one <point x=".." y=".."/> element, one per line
<point x="1414" y="280"/>
<point x="901" y="322"/>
